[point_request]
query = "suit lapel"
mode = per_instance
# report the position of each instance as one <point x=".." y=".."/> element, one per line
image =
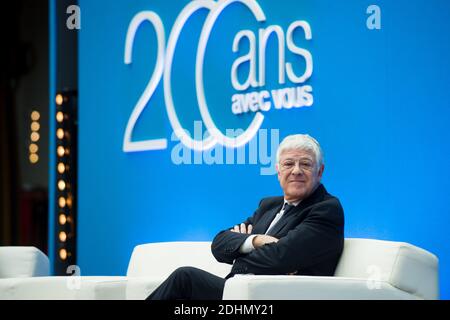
<point x="285" y="219"/>
<point x="297" y="210"/>
<point x="266" y="219"/>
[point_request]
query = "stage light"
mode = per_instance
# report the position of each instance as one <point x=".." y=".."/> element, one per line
<point x="34" y="158"/>
<point x="33" y="148"/>
<point x="62" y="219"/>
<point x="34" y="136"/>
<point x="35" y="126"/>
<point x="61" y="151"/>
<point x="60" y="133"/>
<point x="59" y="99"/>
<point x="65" y="137"/>
<point x="62" y="202"/>
<point x="69" y="202"/>
<point x="59" y="116"/>
<point x="61" y="185"/>
<point x="61" y="168"/>
<point x="63" y="254"/>
<point x="62" y="236"/>
<point x="35" y="115"/>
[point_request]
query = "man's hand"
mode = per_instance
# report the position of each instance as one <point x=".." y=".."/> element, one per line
<point x="259" y="240"/>
<point x="263" y="239"/>
<point x="242" y="228"/>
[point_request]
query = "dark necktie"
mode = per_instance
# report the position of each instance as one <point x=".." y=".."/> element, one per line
<point x="287" y="208"/>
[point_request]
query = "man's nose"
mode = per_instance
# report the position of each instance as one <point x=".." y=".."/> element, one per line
<point x="297" y="170"/>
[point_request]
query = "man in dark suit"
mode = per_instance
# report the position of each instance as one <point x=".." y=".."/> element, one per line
<point x="300" y="233"/>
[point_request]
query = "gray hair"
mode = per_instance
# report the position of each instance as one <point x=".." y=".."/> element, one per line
<point x="302" y="142"/>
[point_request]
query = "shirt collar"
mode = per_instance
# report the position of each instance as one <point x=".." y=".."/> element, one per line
<point x="292" y="203"/>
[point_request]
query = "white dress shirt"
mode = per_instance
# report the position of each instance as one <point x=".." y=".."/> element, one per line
<point x="247" y="246"/>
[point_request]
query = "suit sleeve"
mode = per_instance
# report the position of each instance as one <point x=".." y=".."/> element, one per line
<point x="315" y="239"/>
<point x="226" y="244"/>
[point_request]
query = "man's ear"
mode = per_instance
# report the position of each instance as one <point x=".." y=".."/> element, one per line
<point x="277" y="167"/>
<point x="320" y="172"/>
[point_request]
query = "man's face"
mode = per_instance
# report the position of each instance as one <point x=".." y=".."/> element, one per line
<point x="298" y="174"/>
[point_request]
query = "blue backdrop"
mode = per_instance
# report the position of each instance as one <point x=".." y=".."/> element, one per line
<point x="380" y="112"/>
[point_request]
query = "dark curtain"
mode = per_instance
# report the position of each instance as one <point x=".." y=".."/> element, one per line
<point x="9" y="74"/>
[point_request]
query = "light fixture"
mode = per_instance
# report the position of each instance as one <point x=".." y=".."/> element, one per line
<point x="34" y="158"/>
<point x="62" y="219"/>
<point x="61" y="151"/>
<point x="62" y="202"/>
<point x="60" y="133"/>
<point x="69" y="202"/>
<point x="35" y="126"/>
<point x="62" y="236"/>
<point x="59" y="99"/>
<point x="33" y="148"/>
<point x="63" y="254"/>
<point x="61" y="185"/>
<point x="35" y="115"/>
<point x="64" y="136"/>
<point x="61" y="168"/>
<point x="34" y="136"/>
<point x="59" y="116"/>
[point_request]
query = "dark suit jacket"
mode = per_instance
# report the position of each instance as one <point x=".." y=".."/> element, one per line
<point x="311" y="238"/>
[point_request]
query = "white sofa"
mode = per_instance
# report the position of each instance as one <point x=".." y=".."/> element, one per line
<point x="368" y="269"/>
<point x="24" y="274"/>
<point x="23" y="262"/>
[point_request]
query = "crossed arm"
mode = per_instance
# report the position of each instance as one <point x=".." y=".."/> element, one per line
<point x="259" y="240"/>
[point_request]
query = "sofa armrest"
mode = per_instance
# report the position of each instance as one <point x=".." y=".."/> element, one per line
<point x="23" y="262"/>
<point x="63" y="288"/>
<point x="252" y="287"/>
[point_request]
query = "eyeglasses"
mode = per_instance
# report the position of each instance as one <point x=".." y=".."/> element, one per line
<point x="289" y="164"/>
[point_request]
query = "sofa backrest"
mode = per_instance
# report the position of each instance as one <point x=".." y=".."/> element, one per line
<point x="160" y="259"/>
<point x="401" y="264"/>
<point x="22" y="262"/>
